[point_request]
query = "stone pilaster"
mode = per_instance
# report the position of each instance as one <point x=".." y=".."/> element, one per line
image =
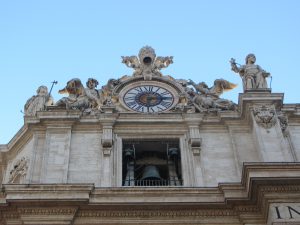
<point x="194" y="143"/>
<point x="259" y="109"/>
<point x="107" y="143"/>
<point x="56" y="153"/>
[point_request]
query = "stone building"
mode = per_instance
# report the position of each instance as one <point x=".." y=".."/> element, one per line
<point x="151" y="149"/>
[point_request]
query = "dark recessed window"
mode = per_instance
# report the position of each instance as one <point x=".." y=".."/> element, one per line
<point x="151" y="163"/>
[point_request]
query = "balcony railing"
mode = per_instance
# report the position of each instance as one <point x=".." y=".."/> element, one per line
<point x="157" y="182"/>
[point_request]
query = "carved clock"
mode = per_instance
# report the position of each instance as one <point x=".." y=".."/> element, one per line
<point x="149" y="97"/>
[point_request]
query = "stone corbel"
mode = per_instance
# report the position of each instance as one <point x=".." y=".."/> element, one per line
<point x="107" y="140"/>
<point x="196" y="145"/>
<point x="195" y="140"/>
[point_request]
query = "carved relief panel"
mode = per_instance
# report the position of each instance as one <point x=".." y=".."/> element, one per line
<point x="18" y="172"/>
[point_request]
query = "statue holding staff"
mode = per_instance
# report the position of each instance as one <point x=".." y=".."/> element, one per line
<point x="253" y="76"/>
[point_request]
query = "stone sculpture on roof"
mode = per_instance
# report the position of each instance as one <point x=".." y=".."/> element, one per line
<point x="147" y="64"/>
<point x="77" y="98"/>
<point x="253" y="76"/>
<point x="38" y="102"/>
<point x="147" y="90"/>
<point x="205" y="98"/>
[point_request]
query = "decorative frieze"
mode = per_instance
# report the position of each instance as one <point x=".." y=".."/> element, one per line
<point x="156" y="213"/>
<point x="47" y="211"/>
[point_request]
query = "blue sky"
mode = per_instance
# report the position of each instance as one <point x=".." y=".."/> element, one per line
<point x="42" y="41"/>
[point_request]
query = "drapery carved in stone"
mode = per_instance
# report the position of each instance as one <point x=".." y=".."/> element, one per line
<point x="264" y="116"/>
<point x="253" y="76"/>
<point x="38" y="102"/>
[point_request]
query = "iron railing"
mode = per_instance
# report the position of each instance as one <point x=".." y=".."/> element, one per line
<point x="157" y="182"/>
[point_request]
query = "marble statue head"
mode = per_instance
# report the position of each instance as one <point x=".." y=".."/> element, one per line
<point x="42" y="91"/>
<point x="250" y="58"/>
<point x="92" y="83"/>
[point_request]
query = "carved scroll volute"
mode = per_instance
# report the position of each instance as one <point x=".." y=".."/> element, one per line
<point x="19" y="171"/>
<point x="265" y="116"/>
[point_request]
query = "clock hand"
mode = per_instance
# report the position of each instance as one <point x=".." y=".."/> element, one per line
<point x="166" y="98"/>
<point x="148" y="99"/>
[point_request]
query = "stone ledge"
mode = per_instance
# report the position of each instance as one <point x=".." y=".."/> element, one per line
<point x="57" y="192"/>
<point x="254" y="175"/>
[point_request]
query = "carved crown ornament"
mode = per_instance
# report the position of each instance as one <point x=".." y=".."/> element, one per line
<point x="146" y="90"/>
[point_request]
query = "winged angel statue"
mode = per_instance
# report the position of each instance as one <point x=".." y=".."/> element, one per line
<point x="205" y="98"/>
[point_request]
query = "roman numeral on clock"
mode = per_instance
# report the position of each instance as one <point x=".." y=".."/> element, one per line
<point x="129" y="98"/>
<point x="131" y="104"/>
<point x="166" y="104"/>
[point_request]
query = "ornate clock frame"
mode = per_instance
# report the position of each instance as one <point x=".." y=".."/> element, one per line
<point x="155" y="96"/>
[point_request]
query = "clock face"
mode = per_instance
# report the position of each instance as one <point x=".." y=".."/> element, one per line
<point x="148" y="99"/>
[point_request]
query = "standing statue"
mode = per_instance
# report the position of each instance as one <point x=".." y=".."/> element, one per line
<point x="205" y="98"/>
<point x="38" y="102"/>
<point x="253" y="76"/>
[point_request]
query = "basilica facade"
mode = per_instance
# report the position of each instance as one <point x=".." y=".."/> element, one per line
<point x="147" y="148"/>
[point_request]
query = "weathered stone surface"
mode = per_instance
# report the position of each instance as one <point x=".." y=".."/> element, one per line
<point x="236" y="164"/>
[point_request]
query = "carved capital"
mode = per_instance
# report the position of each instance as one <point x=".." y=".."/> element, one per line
<point x="264" y="116"/>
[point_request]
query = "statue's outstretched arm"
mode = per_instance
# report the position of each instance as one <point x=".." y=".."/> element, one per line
<point x="234" y="66"/>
